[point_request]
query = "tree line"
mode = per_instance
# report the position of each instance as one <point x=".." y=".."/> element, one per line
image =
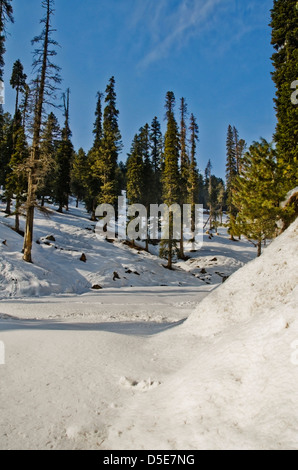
<point x="39" y="163"/>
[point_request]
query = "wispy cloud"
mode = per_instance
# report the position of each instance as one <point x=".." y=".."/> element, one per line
<point x="173" y="22"/>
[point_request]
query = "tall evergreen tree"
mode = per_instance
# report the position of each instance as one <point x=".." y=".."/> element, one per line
<point x="156" y="143"/>
<point x="6" y="140"/>
<point x="284" y="24"/>
<point x="92" y="176"/>
<point x="171" y="176"/>
<point x="64" y="158"/>
<point x="17" y="177"/>
<point x="48" y="78"/>
<point x="6" y="15"/>
<point x="50" y="140"/>
<point x="18" y="81"/>
<point x="256" y="197"/>
<point x="121" y="176"/>
<point x="78" y="172"/>
<point x="105" y="167"/>
<point x="148" y="195"/>
<point x="24" y="106"/>
<point x="97" y="131"/>
<point x="184" y="168"/>
<point x="231" y="173"/>
<point x="239" y="149"/>
<point x="221" y="199"/>
<point x="135" y="172"/>
<point x="193" y="177"/>
<point x="6" y="151"/>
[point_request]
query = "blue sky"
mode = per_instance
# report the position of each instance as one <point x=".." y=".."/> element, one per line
<point x="214" y="53"/>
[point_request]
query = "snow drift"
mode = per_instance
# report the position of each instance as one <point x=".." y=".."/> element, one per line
<point x="267" y="283"/>
<point x="238" y="389"/>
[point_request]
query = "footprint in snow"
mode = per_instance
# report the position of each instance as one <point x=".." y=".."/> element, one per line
<point x="142" y="386"/>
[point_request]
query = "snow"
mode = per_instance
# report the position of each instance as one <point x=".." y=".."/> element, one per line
<point x="57" y="268"/>
<point x="120" y="368"/>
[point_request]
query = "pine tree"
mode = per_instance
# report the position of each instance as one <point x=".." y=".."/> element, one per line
<point x="97" y="131"/>
<point x="78" y="172"/>
<point x="284" y="25"/>
<point x="6" y="139"/>
<point x="16" y="181"/>
<point x="105" y="167"/>
<point x="210" y="190"/>
<point x="48" y="78"/>
<point x="156" y="143"/>
<point x="18" y="81"/>
<point x="221" y="199"/>
<point x="64" y="158"/>
<point x="184" y="168"/>
<point x="135" y="172"/>
<point x="50" y="139"/>
<point x="148" y="194"/>
<point x="6" y="148"/>
<point x="24" y="106"/>
<point x="121" y="177"/>
<point x="239" y="149"/>
<point x="171" y="176"/>
<point x="231" y="173"/>
<point x="193" y="177"/>
<point x="91" y="176"/>
<point x="6" y="15"/>
<point x="256" y="197"/>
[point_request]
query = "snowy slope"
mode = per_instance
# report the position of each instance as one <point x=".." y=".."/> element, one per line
<point x="267" y="282"/>
<point x="238" y="387"/>
<point x="61" y="239"/>
<point x="86" y="372"/>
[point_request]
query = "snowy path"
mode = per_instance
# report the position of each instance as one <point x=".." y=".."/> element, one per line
<point x="132" y="305"/>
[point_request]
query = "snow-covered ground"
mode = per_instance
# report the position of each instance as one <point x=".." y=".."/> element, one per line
<point x="119" y="368"/>
<point x="60" y="240"/>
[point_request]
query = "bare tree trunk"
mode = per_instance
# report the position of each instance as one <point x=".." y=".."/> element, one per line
<point x="34" y="157"/>
<point x="17" y="220"/>
<point x="170" y="253"/>
<point x="181" y="250"/>
<point x="8" y="203"/>
<point x="259" y="248"/>
<point x="29" y="235"/>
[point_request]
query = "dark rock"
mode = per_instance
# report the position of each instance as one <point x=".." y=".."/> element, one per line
<point x="38" y="242"/>
<point x="136" y="272"/>
<point x="51" y="238"/>
<point x="115" y="276"/>
<point x="83" y="258"/>
<point x="203" y="271"/>
<point x="214" y="259"/>
<point x="96" y="287"/>
<point x="4" y="242"/>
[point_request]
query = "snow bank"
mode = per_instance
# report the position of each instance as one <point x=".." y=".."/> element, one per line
<point x="263" y="284"/>
<point x="238" y="386"/>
